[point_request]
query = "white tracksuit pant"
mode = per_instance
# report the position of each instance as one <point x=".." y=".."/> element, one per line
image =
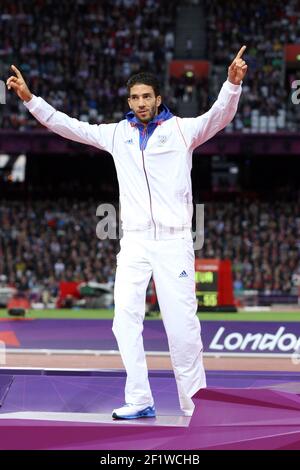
<point x="138" y="259"/>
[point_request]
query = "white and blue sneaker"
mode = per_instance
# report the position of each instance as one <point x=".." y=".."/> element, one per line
<point x="130" y="411"/>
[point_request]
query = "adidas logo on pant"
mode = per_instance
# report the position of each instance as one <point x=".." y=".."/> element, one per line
<point x="183" y="274"/>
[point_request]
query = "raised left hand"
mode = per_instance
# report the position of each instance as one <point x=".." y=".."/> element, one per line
<point x="237" y="70"/>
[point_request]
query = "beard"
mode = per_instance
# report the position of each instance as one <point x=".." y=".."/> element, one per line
<point x="151" y="113"/>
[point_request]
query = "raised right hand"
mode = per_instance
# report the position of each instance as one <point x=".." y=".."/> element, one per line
<point x="18" y="84"/>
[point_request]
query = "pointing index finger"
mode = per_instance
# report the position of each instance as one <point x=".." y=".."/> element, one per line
<point x="241" y="52"/>
<point x="17" y="72"/>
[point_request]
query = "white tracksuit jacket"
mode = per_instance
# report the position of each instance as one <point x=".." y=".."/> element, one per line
<point x="156" y="211"/>
<point x="155" y="184"/>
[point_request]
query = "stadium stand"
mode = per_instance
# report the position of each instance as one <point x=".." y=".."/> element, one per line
<point x="81" y="65"/>
<point x="45" y="242"/>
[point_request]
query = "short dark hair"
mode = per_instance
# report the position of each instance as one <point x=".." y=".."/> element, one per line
<point x="144" y="78"/>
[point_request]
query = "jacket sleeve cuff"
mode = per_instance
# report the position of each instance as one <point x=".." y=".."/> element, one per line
<point x="31" y="104"/>
<point x="40" y="108"/>
<point x="230" y="86"/>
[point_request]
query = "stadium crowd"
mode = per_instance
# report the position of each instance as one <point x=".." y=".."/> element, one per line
<point x="41" y="245"/>
<point x="81" y="65"/>
<point x="262" y="240"/>
<point x="78" y="55"/>
<point x="265" y="27"/>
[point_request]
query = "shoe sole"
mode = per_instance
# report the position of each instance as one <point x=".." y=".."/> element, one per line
<point x="136" y="416"/>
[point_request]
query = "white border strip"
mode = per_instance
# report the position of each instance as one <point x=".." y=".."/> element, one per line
<point x="103" y="352"/>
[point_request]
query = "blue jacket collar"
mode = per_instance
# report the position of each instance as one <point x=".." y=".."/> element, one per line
<point x="164" y="115"/>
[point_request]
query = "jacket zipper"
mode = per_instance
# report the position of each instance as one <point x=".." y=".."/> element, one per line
<point x="150" y="198"/>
